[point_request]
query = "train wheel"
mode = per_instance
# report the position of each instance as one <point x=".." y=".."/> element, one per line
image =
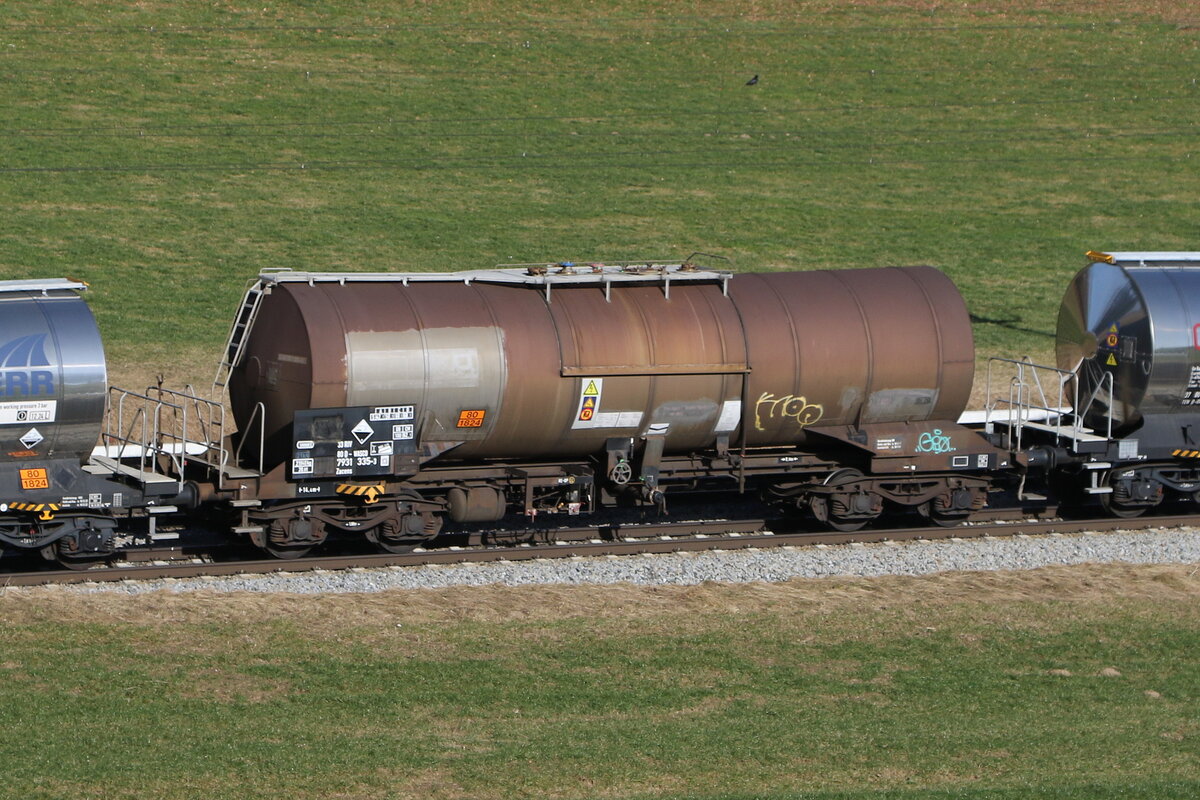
<point x="389" y="537"/>
<point x="85" y="543"/>
<point x="940" y="517"/>
<point x="821" y="510"/>
<point x="290" y="539"/>
<point x="1132" y="494"/>
<point x="1116" y="509"/>
<point x="407" y="530"/>
<point x="846" y="511"/>
<point x="58" y="553"/>
<point x="954" y="506"/>
<point x="287" y="552"/>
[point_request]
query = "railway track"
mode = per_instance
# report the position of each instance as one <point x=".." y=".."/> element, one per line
<point x="611" y="540"/>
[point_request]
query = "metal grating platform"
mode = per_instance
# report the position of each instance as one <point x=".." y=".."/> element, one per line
<point x="43" y="285"/>
<point x="565" y="274"/>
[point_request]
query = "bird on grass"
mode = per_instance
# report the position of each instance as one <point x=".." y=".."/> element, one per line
<point x="752" y="81"/>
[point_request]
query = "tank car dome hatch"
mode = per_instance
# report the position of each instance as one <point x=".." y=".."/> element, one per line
<point x="53" y="377"/>
<point x="1129" y="328"/>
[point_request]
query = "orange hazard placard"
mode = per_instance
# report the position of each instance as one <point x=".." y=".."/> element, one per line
<point x="35" y="479"/>
<point x="471" y="418"/>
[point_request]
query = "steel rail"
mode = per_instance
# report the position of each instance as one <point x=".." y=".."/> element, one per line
<point x="652" y="538"/>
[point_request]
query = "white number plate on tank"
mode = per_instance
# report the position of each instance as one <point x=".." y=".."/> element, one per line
<point x="27" y="411"/>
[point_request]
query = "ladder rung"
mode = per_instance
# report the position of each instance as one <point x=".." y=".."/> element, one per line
<point x="236" y="342"/>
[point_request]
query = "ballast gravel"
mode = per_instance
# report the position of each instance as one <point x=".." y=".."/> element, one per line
<point x="1175" y="546"/>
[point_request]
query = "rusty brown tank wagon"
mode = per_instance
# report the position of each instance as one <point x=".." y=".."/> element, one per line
<point x="385" y="401"/>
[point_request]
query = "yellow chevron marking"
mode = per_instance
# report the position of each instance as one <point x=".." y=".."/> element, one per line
<point x="45" y="510"/>
<point x="370" y="493"/>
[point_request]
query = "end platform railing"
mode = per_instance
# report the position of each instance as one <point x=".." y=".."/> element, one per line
<point x="1029" y="397"/>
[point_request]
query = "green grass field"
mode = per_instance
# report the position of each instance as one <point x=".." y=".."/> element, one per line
<point x="166" y="152"/>
<point x="1077" y="684"/>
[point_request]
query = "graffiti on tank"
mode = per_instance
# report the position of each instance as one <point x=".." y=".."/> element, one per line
<point x="788" y="406"/>
<point x="934" y="442"/>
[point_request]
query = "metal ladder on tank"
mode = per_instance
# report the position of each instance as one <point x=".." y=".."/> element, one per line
<point x="235" y="345"/>
<point x="227" y="465"/>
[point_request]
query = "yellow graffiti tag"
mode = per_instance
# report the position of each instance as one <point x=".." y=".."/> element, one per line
<point x="787" y="407"/>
